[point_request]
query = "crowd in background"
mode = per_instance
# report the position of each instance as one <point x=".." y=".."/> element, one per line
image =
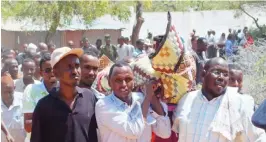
<point x="32" y="102"/>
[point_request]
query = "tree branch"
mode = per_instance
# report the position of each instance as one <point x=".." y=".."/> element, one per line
<point x="254" y="19"/>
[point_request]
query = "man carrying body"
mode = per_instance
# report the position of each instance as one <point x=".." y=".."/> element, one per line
<point x="11" y="110"/>
<point x="28" y="68"/>
<point x="65" y="113"/>
<point x="108" y="49"/>
<point x="124" y="116"/>
<point x="216" y="112"/>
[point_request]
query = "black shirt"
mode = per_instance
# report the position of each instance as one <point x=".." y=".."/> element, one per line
<point x="54" y="121"/>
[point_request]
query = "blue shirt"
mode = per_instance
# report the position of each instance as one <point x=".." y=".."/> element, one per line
<point x="137" y="52"/>
<point x="229" y="48"/>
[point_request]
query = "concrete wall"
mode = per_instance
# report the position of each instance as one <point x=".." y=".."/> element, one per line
<point x="37" y="37"/>
<point x="92" y="35"/>
<point x="8" y="39"/>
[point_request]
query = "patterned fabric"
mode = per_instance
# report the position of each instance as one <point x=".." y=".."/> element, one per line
<point x="168" y="55"/>
<point x="101" y="81"/>
<point x="104" y="62"/>
<point x="143" y="71"/>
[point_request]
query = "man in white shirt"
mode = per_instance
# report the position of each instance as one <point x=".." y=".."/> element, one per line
<point x="124" y="116"/>
<point x="11" y="110"/>
<point x="28" y="69"/>
<point x="216" y="112"/>
<point x="123" y="50"/>
<point x="34" y="92"/>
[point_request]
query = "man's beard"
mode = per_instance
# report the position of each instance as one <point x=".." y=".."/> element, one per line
<point x="85" y="84"/>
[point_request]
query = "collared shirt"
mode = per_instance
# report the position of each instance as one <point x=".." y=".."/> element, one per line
<point x="194" y="114"/>
<point x="20" y="86"/>
<point x="13" y="119"/>
<point x="137" y="52"/>
<point x="32" y="94"/>
<point x="54" y="121"/>
<point x="119" y="122"/>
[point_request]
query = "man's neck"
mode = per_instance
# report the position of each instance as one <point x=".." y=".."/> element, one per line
<point x="28" y="81"/>
<point x="48" y="86"/>
<point x="127" y="99"/>
<point x="83" y="85"/>
<point x="67" y="93"/>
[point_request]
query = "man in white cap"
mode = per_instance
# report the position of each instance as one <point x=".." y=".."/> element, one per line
<point x="30" y="51"/>
<point x="67" y="113"/>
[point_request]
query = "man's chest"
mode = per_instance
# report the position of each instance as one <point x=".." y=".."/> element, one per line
<point x="12" y="117"/>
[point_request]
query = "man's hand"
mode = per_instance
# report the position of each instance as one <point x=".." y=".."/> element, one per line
<point x="9" y="138"/>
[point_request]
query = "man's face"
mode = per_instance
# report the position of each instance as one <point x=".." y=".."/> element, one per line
<point x="7" y="90"/>
<point x="141" y="45"/>
<point x="13" y="68"/>
<point x="86" y="43"/>
<point x="43" y="47"/>
<point x="89" y="69"/>
<point x="47" y="73"/>
<point x="107" y="41"/>
<point x="216" y="79"/>
<point x="235" y="78"/>
<point x="28" y="69"/>
<point x="67" y="70"/>
<point x="203" y="46"/>
<point x="121" y="82"/>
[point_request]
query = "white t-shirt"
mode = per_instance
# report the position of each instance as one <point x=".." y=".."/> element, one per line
<point x="124" y="51"/>
<point x="13" y="119"/>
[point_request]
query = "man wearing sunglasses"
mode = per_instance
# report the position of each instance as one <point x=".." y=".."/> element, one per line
<point x="34" y="92"/>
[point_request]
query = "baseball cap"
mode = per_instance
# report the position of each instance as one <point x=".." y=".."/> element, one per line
<point x="59" y="53"/>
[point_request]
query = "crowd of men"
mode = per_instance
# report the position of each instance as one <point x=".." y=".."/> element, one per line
<point x="47" y="91"/>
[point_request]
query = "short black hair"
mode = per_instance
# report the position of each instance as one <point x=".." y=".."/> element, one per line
<point x="6" y="52"/>
<point x="92" y="51"/>
<point x="45" y="56"/>
<point x="27" y="60"/>
<point x="201" y="40"/>
<point x="118" y="64"/>
<point x="234" y="66"/>
<point x="139" y="41"/>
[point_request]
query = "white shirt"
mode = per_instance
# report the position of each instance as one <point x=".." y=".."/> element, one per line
<point x="13" y="119"/>
<point x="118" y="122"/>
<point x="32" y="94"/>
<point x="194" y="114"/>
<point x="20" y="86"/>
<point x="124" y="51"/>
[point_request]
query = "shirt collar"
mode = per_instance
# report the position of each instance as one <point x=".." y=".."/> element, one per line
<point x="117" y="101"/>
<point x="55" y="92"/>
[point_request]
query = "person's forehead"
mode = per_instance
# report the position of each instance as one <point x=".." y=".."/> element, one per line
<point x="90" y="58"/>
<point x="219" y="67"/>
<point x="124" y="70"/>
<point x="235" y="72"/>
<point x="28" y="64"/>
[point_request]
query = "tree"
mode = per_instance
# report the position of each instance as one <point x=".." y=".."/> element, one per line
<point x="244" y="7"/>
<point x="59" y="13"/>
